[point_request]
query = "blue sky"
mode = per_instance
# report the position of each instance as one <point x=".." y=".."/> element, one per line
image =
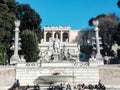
<point x="73" y="13"/>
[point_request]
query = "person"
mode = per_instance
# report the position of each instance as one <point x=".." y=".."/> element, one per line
<point x="16" y="85"/>
<point x="37" y="87"/>
<point x="79" y="87"/>
<point x="27" y="87"/>
<point x="68" y="87"/>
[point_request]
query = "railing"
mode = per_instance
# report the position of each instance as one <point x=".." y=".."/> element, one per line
<point x="81" y="64"/>
<point x="33" y="64"/>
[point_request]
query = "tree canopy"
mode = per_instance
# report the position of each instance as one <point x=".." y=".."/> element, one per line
<point x="30" y="45"/>
<point x="118" y="3"/>
<point x="29" y="18"/>
<point x="10" y="11"/>
<point x="108" y="26"/>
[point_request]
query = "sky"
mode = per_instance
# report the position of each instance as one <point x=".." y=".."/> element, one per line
<point x="73" y="13"/>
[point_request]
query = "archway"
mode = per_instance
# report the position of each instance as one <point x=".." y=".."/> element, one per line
<point x="48" y="37"/>
<point x="57" y="35"/>
<point x="65" y="37"/>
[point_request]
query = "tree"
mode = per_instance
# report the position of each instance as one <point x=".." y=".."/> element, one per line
<point x="7" y="18"/>
<point x="108" y="26"/>
<point x="30" y="45"/>
<point x="29" y="18"/>
<point x="117" y="35"/>
<point x="118" y="3"/>
<point x="6" y="23"/>
<point x="2" y="54"/>
<point x="9" y="12"/>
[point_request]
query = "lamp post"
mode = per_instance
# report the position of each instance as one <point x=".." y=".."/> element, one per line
<point x="96" y="29"/>
<point x="15" y="57"/>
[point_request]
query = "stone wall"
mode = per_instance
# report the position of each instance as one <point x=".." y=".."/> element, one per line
<point x="110" y="75"/>
<point x="7" y="76"/>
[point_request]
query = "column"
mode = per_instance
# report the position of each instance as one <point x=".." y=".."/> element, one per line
<point x="16" y="40"/>
<point x="61" y="37"/>
<point x="53" y="35"/>
<point x="68" y="36"/>
<point x="15" y="57"/>
<point x="45" y="36"/>
<point x="97" y="40"/>
<point x="96" y="29"/>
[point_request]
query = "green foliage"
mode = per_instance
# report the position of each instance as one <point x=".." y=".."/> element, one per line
<point x="7" y="17"/>
<point x="11" y="5"/>
<point x="9" y="12"/>
<point x="2" y="54"/>
<point x="30" y="45"/>
<point x="86" y="49"/>
<point x="117" y="35"/>
<point x="118" y="53"/>
<point x="6" y="22"/>
<point x="118" y="3"/>
<point x="29" y="18"/>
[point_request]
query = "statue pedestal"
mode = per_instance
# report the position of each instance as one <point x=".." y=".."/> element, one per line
<point x="99" y="57"/>
<point x="14" y="59"/>
<point x="96" y="61"/>
<point x="56" y="57"/>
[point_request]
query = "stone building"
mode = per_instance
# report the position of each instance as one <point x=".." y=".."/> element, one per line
<point x="63" y="39"/>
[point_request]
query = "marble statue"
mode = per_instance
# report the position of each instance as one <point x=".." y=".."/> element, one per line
<point x="56" y="46"/>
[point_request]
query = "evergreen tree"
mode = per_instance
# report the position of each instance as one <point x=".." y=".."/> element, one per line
<point x="7" y="18"/>
<point x="29" y="18"/>
<point x="9" y="12"/>
<point x="6" y="22"/>
<point x="2" y="54"/>
<point x="30" y="45"/>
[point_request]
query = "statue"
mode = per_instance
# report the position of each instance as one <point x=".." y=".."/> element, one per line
<point x="56" y="46"/>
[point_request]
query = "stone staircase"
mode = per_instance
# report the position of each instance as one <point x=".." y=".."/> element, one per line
<point x="30" y="75"/>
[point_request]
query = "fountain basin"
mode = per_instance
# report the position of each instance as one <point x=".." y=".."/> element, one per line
<point x="56" y="78"/>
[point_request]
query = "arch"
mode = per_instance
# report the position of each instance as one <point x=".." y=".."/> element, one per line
<point x="48" y="36"/>
<point x="65" y="36"/>
<point x="57" y="35"/>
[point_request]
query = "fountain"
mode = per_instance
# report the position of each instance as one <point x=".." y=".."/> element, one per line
<point x="55" y="78"/>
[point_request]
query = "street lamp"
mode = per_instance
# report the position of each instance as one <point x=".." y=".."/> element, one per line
<point x="15" y="57"/>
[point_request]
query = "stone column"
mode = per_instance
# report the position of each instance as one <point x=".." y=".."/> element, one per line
<point x="16" y="40"/>
<point x="96" y="29"/>
<point x="53" y="35"/>
<point x="68" y="36"/>
<point x="45" y="36"/>
<point x="15" y="57"/>
<point x="61" y="37"/>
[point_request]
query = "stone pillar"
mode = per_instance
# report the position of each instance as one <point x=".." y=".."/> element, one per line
<point x="53" y="35"/>
<point x="68" y="36"/>
<point x="15" y="57"/>
<point x="16" y="40"/>
<point x="57" y="36"/>
<point x="61" y="37"/>
<point x="96" y="29"/>
<point x="97" y="39"/>
<point x="45" y="36"/>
